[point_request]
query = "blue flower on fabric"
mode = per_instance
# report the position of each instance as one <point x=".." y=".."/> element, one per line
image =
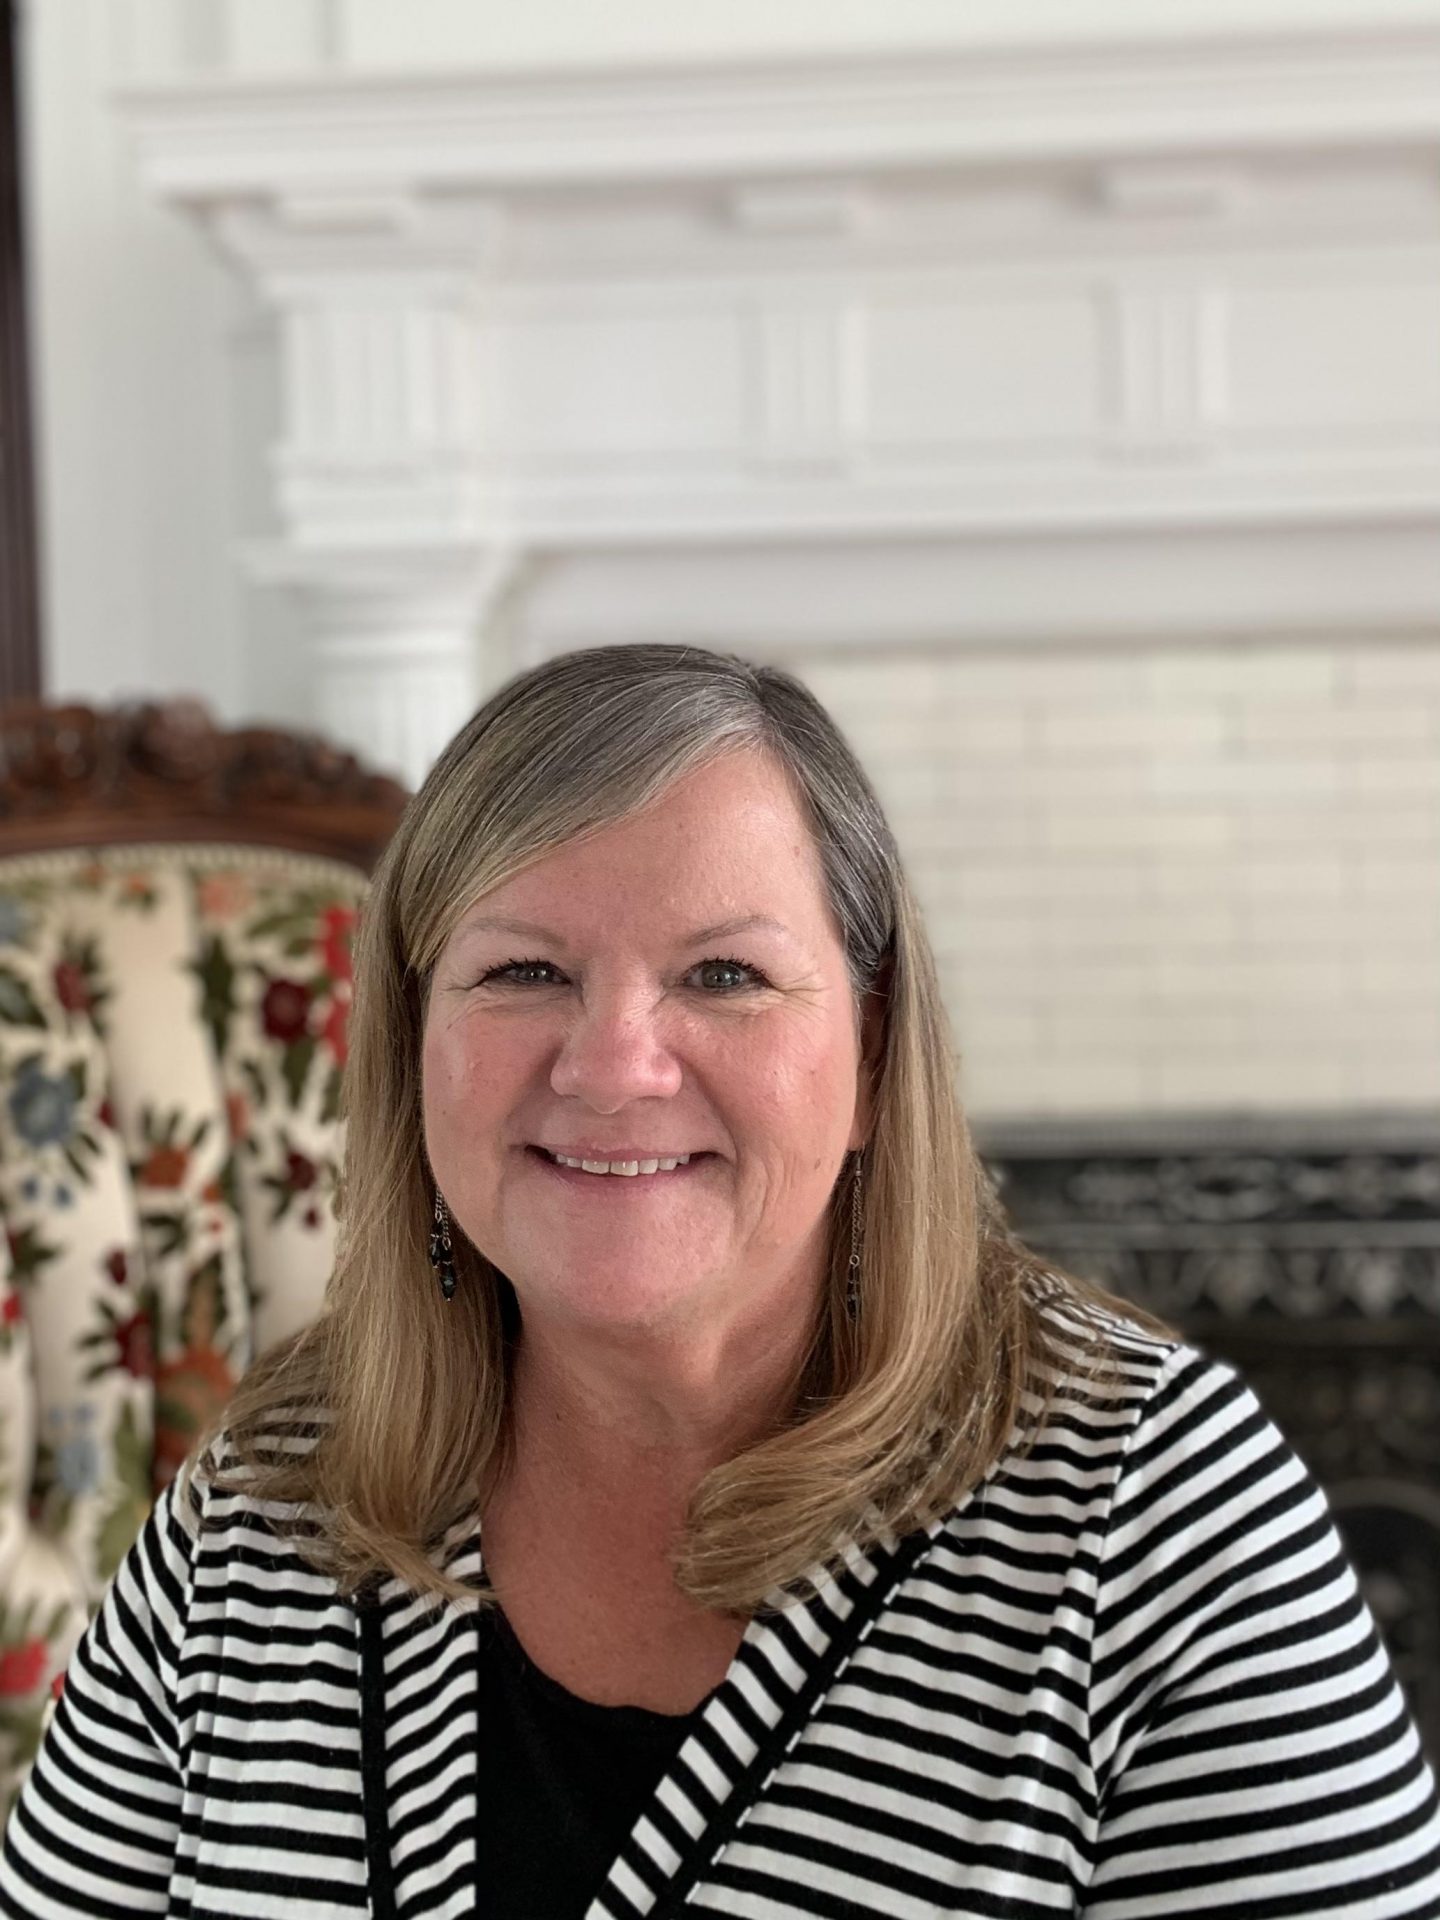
<point x="77" y="1462"/>
<point x="42" y="1106"/>
<point x="14" y="923"/>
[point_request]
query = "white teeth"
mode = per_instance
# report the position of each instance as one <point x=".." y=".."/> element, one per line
<point x="627" y="1168"/>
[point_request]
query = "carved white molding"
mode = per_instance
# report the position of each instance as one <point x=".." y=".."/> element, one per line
<point x="1070" y="315"/>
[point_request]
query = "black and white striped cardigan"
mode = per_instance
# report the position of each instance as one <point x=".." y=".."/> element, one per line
<point x="1130" y="1676"/>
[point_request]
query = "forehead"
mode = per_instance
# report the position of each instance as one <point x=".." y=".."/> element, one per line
<point x="725" y="849"/>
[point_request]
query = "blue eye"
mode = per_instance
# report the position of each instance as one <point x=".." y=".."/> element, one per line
<point x="738" y="966"/>
<point x="509" y="967"/>
<point x="506" y="974"/>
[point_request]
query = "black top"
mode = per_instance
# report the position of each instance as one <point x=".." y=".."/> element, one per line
<point x="561" y="1781"/>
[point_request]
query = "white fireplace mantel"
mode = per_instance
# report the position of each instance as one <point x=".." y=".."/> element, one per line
<point x="1019" y="343"/>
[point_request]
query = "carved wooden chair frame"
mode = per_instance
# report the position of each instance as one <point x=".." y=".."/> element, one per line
<point x="75" y="776"/>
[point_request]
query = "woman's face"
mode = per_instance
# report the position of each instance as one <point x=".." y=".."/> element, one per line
<point x="672" y="986"/>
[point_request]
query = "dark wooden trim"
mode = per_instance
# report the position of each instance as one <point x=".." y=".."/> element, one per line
<point x="72" y="776"/>
<point x="19" y="566"/>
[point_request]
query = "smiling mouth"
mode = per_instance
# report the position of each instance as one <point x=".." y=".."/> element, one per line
<point x="619" y="1169"/>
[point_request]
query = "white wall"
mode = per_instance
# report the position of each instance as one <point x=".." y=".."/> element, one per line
<point x="133" y="331"/>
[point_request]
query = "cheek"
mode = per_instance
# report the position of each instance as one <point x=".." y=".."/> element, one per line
<point x="803" y="1081"/>
<point x="464" y="1076"/>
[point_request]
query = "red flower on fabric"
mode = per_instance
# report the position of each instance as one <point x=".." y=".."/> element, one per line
<point x="237" y="1117"/>
<point x="105" y="1114"/>
<point x="21" y="1668"/>
<point x="165" y="1167"/>
<point x="285" y="1010"/>
<point x="72" y="989"/>
<point x="12" y="1309"/>
<point x="300" y="1172"/>
<point x="137" y="1348"/>
<point x="336" y="1030"/>
<point x="337" y="925"/>
<point x="117" y="1265"/>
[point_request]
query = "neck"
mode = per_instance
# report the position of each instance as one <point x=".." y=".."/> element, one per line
<point x="642" y="1417"/>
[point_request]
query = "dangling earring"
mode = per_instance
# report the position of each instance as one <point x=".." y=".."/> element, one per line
<point x="852" y="1289"/>
<point x="442" y="1254"/>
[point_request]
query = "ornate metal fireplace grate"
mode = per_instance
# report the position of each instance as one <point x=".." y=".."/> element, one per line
<point x="1307" y="1253"/>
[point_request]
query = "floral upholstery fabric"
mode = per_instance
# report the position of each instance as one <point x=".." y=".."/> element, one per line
<point x="172" y="1038"/>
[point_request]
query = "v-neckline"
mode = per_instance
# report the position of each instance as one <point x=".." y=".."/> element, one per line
<point x="790" y="1654"/>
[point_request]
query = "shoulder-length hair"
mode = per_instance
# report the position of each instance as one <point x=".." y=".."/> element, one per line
<point x="956" y="1351"/>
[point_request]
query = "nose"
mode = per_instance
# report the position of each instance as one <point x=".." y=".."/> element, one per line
<point x="615" y="1052"/>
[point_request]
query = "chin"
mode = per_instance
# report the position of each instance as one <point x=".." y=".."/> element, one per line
<point x="627" y="1301"/>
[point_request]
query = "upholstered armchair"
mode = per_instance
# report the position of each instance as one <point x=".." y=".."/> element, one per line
<point x="176" y="907"/>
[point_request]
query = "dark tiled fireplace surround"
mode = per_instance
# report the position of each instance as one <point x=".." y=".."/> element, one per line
<point x="1306" y="1251"/>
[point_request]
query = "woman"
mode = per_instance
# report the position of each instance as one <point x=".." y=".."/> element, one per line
<point x="838" y="1557"/>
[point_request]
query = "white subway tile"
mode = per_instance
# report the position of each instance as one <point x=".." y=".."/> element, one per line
<point x="982" y="935"/>
<point x="961" y="833"/>
<point x="1258" y="980"/>
<point x="884" y="683"/>
<point x="1381" y="826"/>
<point x="1200" y="876"/>
<point x="1057" y="785"/>
<point x="1284" y="1081"/>
<point x="1100" y="831"/>
<point x="1289" y="671"/>
<point x="1317" y="779"/>
<point x="1397" y="1076"/>
<point x="1095" y="1083"/>
<point x="1391" y="722"/>
<point x="906" y="788"/>
<point x="1005" y="1031"/>
<point x="1377" y="872"/>
<point x="1072" y="732"/>
<point x="1176" y="676"/>
<point x="993" y="733"/>
<point x="1398" y="773"/>
<point x="1411" y="666"/>
<point x="1406" y="981"/>
<point x="1305" y="877"/>
<point x="985" y="782"/>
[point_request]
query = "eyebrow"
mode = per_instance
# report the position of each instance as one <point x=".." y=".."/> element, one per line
<point x="721" y="930"/>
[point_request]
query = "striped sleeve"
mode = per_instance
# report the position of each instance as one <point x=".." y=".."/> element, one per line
<point x="93" y="1830"/>
<point x="1253" y="1752"/>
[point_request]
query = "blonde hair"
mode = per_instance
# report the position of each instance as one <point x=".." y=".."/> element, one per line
<point x="894" y="1415"/>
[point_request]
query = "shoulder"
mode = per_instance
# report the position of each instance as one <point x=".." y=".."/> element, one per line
<point x="1122" y="1425"/>
<point x="1107" y="1383"/>
<point x="229" y="1483"/>
<point x="1163" y="1457"/>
